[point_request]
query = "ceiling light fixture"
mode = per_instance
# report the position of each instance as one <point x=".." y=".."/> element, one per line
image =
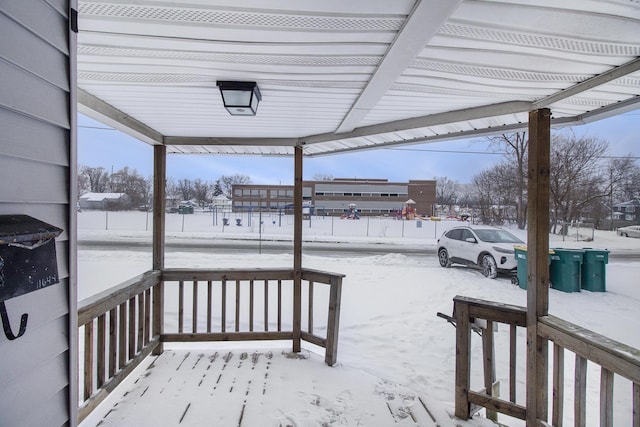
<point x="240" y="98"/>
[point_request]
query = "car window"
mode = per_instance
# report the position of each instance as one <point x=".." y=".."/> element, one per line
<point x="455" y="234"/>
<point x="466" y="234"/>
<point x="497" y="236"/>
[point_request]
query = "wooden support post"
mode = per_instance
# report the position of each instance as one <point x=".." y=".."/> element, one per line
<point x="537" y="263"/>
<point x="297" y="250"/>
<point x="159" y="188"/>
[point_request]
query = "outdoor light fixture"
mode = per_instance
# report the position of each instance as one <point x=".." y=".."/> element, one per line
<point x="240" y="98"/>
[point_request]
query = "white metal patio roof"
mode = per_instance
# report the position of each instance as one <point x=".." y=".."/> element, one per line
<point x="339" y="75"/>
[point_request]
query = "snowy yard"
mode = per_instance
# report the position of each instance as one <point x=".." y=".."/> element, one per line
<point x="388" y="326"/>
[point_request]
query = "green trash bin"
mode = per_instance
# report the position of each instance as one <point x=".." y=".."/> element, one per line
<point x="521" y="259"/>
<point x="566" y="269"/>
<point x="521" y="272"/>
<point x="594" y="269"/>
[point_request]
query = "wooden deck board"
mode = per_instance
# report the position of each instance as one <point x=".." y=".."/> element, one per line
<point x="256" y="388"/>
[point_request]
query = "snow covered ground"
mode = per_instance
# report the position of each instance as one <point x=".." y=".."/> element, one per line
<point x="388" y="326"/>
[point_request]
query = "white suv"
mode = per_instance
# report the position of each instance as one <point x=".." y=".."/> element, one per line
<point x="488" y="248"/>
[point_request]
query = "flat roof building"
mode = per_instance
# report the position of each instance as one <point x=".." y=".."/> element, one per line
<point x="370" y="196"/>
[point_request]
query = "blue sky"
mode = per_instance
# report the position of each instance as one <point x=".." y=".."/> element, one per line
<point x="99" y="146"/>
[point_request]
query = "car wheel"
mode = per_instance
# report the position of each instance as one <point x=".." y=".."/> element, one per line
<point x="443" y="258"/>
<point x="624" y="234"/>
<point x="489" y="267"/>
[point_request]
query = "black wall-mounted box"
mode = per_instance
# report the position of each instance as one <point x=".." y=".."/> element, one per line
<point x="27" y="255"/>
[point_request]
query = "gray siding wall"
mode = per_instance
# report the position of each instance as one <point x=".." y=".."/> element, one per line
<point x="37" y="159"/>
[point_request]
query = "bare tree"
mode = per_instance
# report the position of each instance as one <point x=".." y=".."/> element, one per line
<point x="134" y="185"/>
<point x="623" y="177"/>
<point x="575" y="178"/>
<point x="227" y="182"/>
<point x="516" y="146"/>
<point x="98" y="178"/>
<point x="446" y="192"/>
<point x="185" y="189"/>
<point x="201" y="192"/>
<point x="496" y="193"/>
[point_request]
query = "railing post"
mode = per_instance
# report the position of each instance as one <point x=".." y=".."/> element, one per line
<point x="636" y="404"/>
<point x="606" y="398"/>
<point x="558" y="386"/>
<point x="333" y="321"/>
<point x="488" y="356"/>
<point x="463" y="343"/>
<point x="88" y="360"/>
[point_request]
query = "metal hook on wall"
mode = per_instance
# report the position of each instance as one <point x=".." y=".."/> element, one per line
<point x="7" y="326"/>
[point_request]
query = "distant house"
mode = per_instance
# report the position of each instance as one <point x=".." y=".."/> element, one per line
<point x="627" y="211"/>
<point x="103" y="200"/>
<point x="221" y="202"/>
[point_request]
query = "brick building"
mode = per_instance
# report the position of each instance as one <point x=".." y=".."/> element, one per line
<point x="371" y="196"/>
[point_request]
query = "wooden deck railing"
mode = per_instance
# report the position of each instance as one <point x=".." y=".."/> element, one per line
<point x="123" y="325"/>
<point x="246" y="305"/>
<point x="123" y="314"/>
<point x="483" y="315"/>
<point x="613" y="357"/>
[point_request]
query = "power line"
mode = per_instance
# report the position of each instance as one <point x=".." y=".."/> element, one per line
<point x="491" y="152"/>
<point x="448" y="151"/>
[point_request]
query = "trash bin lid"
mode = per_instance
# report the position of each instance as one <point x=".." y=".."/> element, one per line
<point x="568" y="254"/>
<point x="524" y="249"/>
<point x="591" y="255"/>
<point x="24" y="228"/>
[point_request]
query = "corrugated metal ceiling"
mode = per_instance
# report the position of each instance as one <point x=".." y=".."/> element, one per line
<point x="339" y="76"/>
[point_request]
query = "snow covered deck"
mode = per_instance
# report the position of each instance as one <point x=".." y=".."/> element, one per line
<point x="258" y="388"/>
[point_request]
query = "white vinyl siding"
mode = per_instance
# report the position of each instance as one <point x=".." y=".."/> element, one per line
<point x="37" y="149"/>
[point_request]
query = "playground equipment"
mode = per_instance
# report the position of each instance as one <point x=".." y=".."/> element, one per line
<point x="409" y="209"/>
<point x="351" y="213"/>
